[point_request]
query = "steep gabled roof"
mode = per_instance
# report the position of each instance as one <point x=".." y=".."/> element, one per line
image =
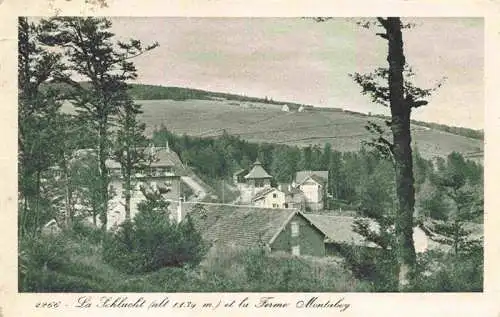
<point x="243" y="226"/>
<point x="320" y="180"/>
<point x="165" y="157"/>
<point x="162" y="157"/>
<point x="320" y="176"/>
<point x="257" y="172"/>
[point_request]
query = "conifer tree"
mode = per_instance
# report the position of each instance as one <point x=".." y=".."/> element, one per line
<point x="105" y="65"/>
<point x="131" y="149"/>
<point x="37" y="118"/>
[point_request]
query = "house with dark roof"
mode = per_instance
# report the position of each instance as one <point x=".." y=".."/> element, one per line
<point x="314" y="185"/>
<point x="239" y="175"/>
<point x="275" y="229"/>
<point x="286" y="230"/>
<point x="163" y="175"/>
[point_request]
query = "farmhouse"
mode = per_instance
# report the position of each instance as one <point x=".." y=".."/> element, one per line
<point x="288" y="230"/>
<point x="275" y="229"/>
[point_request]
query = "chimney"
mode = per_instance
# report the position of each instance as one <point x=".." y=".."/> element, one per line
<point x="167" y="147"/>
<point x="289" y="187"/>
<point x="279" y="186"/>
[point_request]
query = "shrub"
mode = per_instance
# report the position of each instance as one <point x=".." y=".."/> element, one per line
<point x="257" y="270"/>
<point x="377" y="266"/>
<point x="449" y="272"/>
<point x="38" y="255"/>
<point x="152" y="241"/>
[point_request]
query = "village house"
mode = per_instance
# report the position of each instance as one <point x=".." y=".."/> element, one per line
<point x="243" y="227"/>
<point x="270" y="198"/>
<point x="313" y="184"/>
<point x="287" y="230"/>
<point x="162" y="176"/>
<point x="294" y="197"/>
<point x="306" y="193"/>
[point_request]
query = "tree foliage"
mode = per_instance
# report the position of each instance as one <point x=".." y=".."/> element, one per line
<point x="105" y="64"/>
<point x="152" y="240"/>
<point x="391" y="87"/>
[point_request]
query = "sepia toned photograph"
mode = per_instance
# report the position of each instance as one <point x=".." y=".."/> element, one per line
<point x="189" y="154"/>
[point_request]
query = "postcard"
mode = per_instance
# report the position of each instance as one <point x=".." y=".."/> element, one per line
<point x="181" y="159"/>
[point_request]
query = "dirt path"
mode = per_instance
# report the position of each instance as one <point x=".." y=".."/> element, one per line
<point x="199" y="191"/>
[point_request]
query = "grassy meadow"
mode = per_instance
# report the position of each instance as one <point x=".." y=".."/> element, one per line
<point x="260" y="122"/>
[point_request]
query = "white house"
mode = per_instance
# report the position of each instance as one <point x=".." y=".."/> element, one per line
<point x="285" y="108"/>
<point x="270" y="198"/>
<point x="313" y="185"/>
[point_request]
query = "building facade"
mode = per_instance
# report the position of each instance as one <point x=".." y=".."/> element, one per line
<point x="160" y="177"/>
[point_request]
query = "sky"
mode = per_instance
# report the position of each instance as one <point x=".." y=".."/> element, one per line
<point x="300" y="60"/>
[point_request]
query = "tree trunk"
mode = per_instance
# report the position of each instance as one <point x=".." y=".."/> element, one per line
<point x="128" y="182"/>
<point x="103" y="173"/>
<point x="400" y="111"/>
<point x="69" y="201"/>
<point x="37" y="201"/>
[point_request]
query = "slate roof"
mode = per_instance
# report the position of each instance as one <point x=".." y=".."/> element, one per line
<point x="301" y="176"/>
<point x="241" y="226"/>
<point x="337" y="229"/>
<point x="239" y="172"/>
<point x="257" y="171"/>
<point x="163" y="157"/>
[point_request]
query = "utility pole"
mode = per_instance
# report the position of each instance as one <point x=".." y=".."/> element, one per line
<point x="223" y="185"/>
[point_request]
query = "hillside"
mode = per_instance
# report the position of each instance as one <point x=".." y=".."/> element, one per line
<point x="203" y="113"/>
<point x="259" y="122"/>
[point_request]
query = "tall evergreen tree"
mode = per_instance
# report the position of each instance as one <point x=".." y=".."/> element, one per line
<point x="37" y="119"/>
<point x="104" y="63"/>
<point x="131" y="149"/>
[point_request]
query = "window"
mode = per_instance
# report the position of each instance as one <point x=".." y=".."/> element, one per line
<point x="285" y="205"/>
<point x="295" y="229"/>
<point x="296" y="250"/>
<point x="275" y="205"/>
<point x="275" y="195"/>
